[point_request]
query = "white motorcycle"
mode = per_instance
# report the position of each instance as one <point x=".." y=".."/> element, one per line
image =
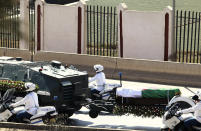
<point x="45" y="115"/>
<point x="173" y="121"/>
<point x="103" y="101"/>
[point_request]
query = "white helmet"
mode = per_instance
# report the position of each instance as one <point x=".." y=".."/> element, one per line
<point x="98" y="68"/>
<point x="198" y="95"/>
<point x="30" y="86"/>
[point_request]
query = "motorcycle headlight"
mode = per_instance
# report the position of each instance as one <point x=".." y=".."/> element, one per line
<point x="168" y="116"/>
<point x="2" y="109"/>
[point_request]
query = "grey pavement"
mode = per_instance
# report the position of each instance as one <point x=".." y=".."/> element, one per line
<point x="130" y="122"/>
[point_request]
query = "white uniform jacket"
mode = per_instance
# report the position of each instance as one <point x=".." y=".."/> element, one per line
<point x="100" y="81"/>
<point x="30" y="101"/>
<point x="196" y="109"/>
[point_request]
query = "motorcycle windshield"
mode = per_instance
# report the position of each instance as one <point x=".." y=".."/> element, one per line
<point x="8" y="94"/>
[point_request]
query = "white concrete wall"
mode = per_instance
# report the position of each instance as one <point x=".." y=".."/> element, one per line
<point x="143" y="34"/>
<point x="24" y="24"/>
<point x="60" y="28"/>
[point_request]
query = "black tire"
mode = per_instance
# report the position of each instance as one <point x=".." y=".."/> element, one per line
<point x="93" y="114"/>
<point x="12" y="119"/>
<point x="70" y="113"/>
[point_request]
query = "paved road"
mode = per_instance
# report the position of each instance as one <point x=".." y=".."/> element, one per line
<point x="104" y="120"/>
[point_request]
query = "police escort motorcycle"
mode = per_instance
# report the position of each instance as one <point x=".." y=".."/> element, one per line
<point x="173" y="119"/>
<point x="105" y="100"/>
<point x="44" y="115"/>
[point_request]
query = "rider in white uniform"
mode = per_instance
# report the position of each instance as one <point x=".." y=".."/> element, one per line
<point x="99" y="78"/>
<point x="30" y="101"/>
<point x="196" y="120"/>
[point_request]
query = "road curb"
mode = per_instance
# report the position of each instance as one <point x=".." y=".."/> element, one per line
<point x="22" y="126"/>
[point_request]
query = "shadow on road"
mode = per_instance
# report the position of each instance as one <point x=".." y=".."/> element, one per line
<point x="147" y="128"/>
<point x="77" y="122"/>
<point x="111" y="121"/>
<point x="102" y="113"/>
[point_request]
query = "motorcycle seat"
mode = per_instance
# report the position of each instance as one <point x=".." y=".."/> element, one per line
<point x="97" y="95"/>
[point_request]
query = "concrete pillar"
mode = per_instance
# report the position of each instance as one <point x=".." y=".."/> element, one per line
<point x="82" y="39"/>
<point x="120" y="9"/>
<point x="24" y="24"/>
<point x="39" y="25"/>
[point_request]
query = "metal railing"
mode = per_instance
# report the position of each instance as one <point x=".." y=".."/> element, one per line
<point x="102" y="31"/>
<point x="188" y="48"/>
<point x="9" y="26"/>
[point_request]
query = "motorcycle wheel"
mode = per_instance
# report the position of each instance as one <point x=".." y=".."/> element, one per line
<point x="70" y="113"/>
<point x="12" y="119"/>
<point x="93" y="114"/>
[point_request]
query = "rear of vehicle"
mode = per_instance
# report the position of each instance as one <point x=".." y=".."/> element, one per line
<point x="65" y="88"/>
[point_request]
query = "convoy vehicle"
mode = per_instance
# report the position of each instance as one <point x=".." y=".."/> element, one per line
<point x="104" y="101"/>
<point x="61" y="86"/>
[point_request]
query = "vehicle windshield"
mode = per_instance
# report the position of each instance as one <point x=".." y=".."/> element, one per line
<point x="8" y="94"/>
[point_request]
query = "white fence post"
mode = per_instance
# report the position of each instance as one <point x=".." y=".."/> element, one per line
<point x="24" y="24"/>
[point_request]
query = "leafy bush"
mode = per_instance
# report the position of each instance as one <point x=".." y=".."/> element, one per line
<point x="18" y="85"/>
